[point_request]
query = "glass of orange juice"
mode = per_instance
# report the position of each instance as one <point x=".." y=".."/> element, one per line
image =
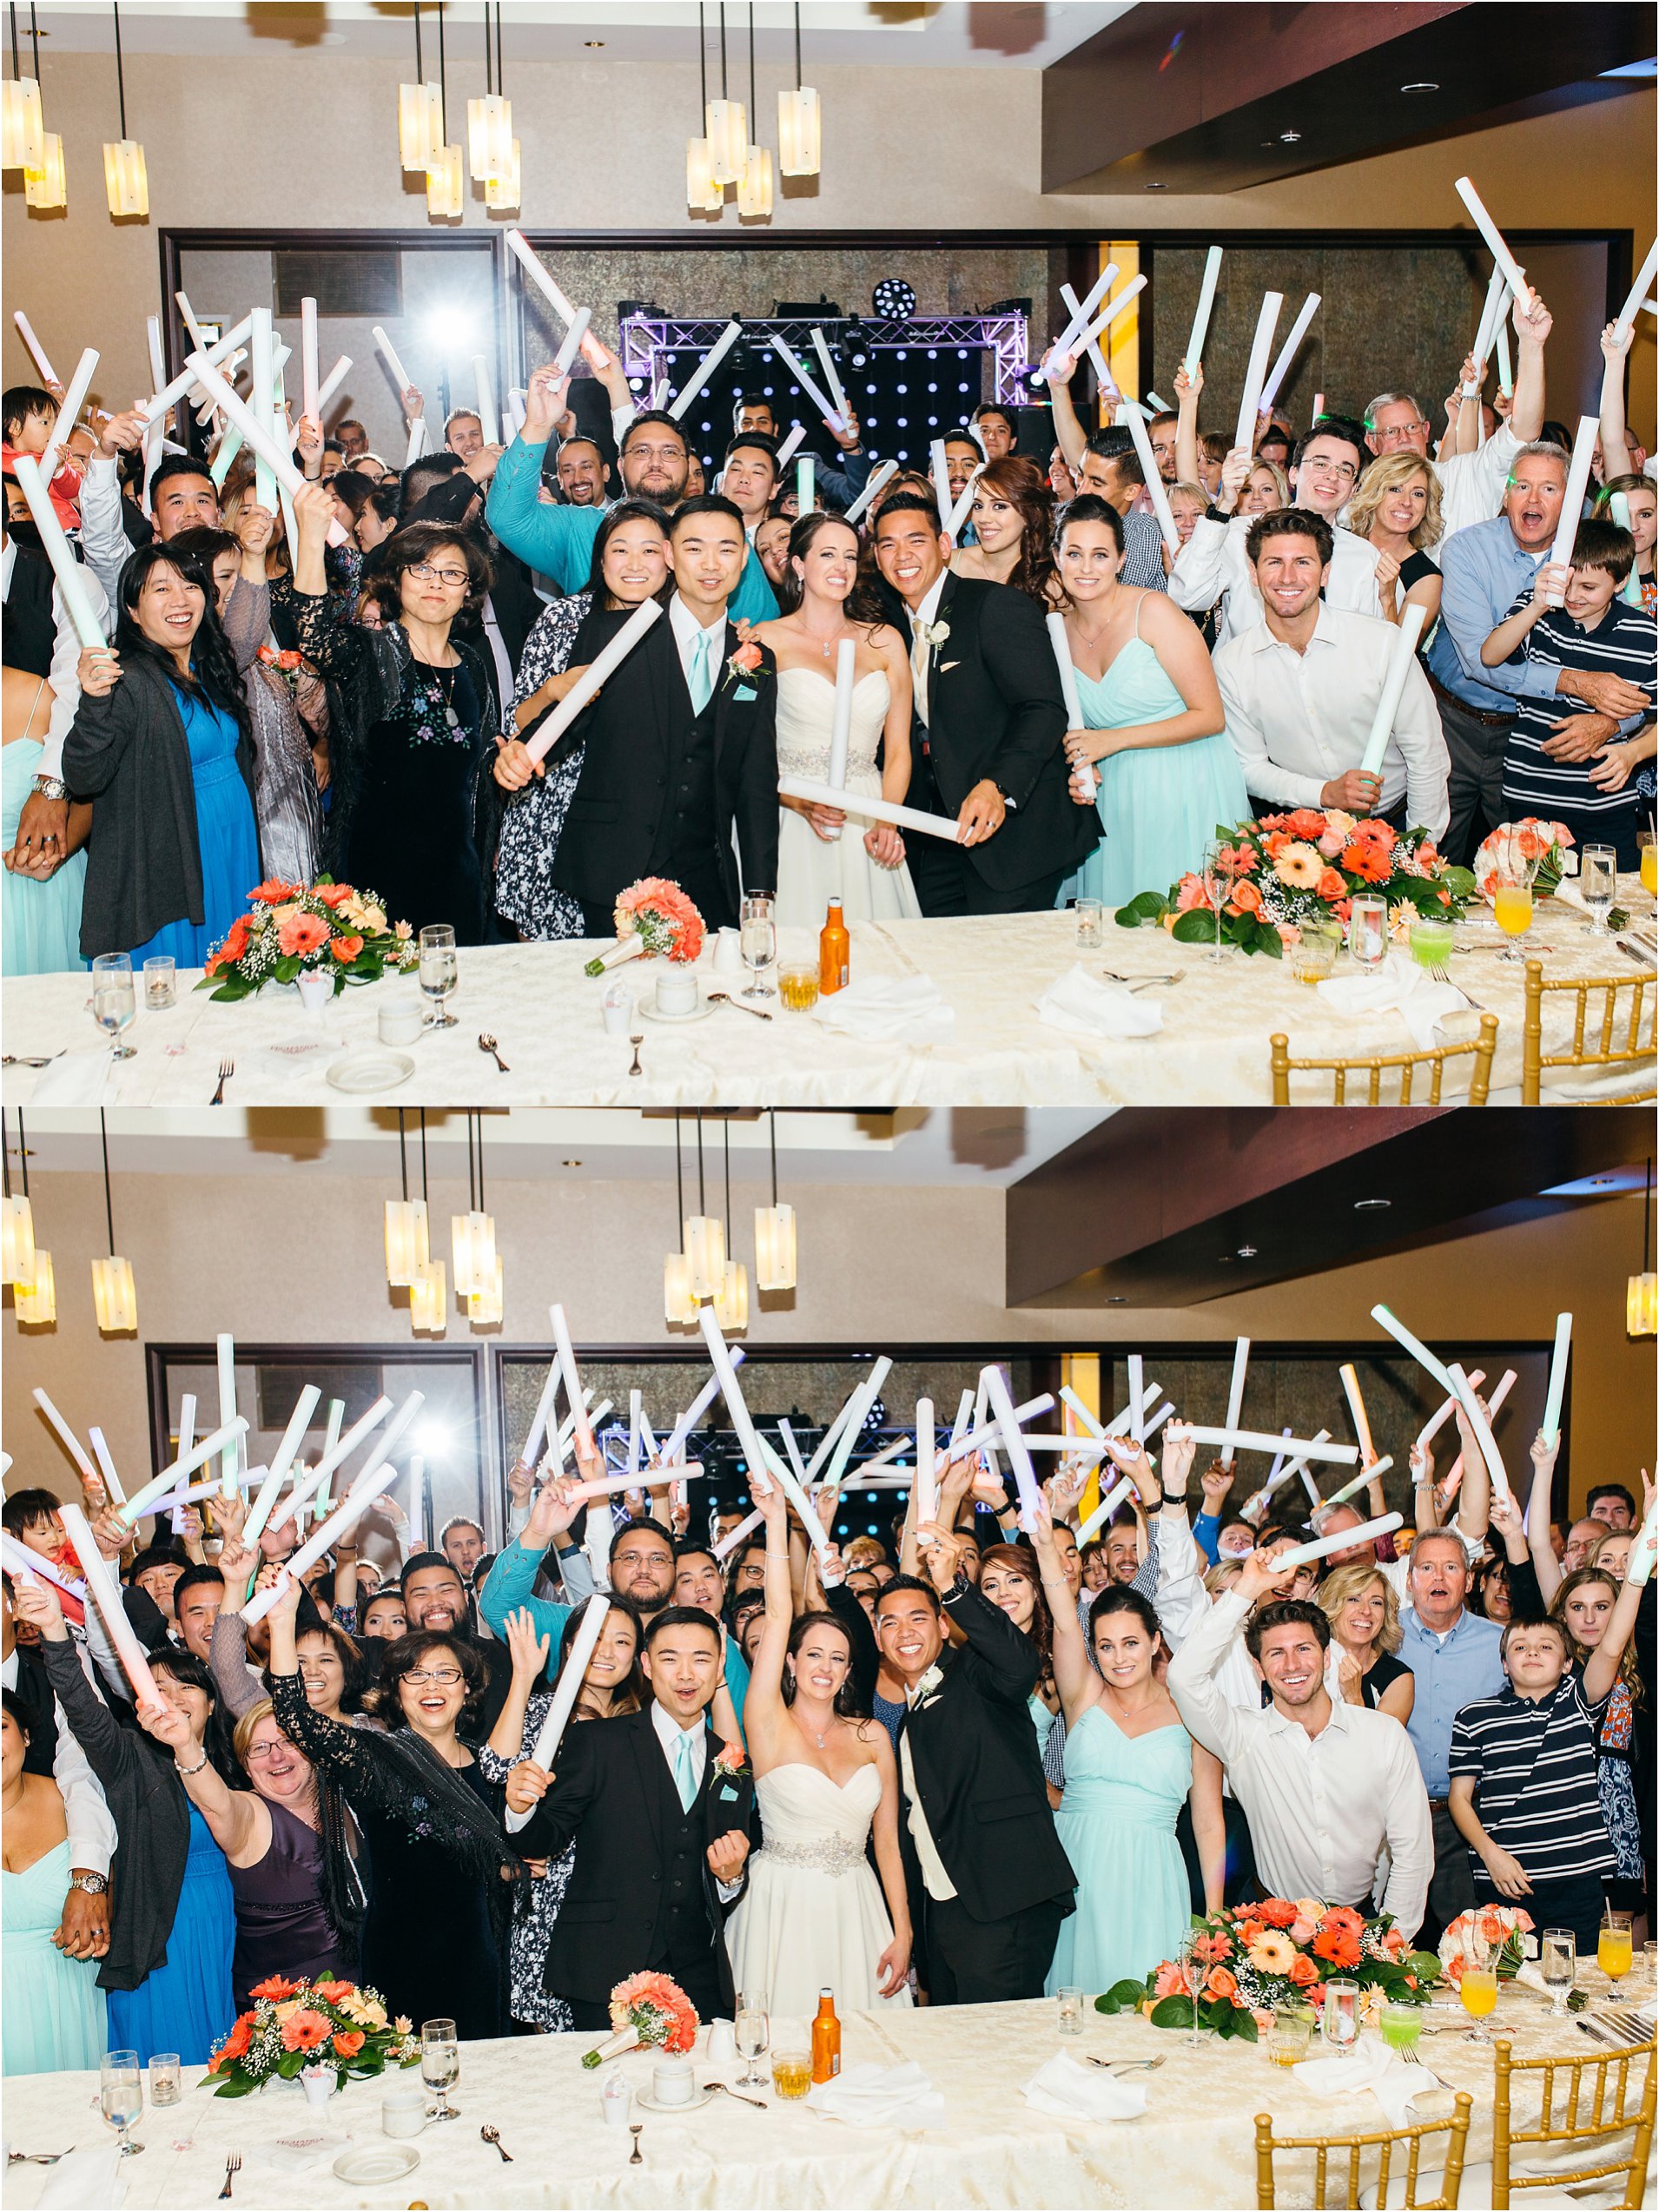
<point x="1478" y="1988"/>
<point x="1613" y="1950"/>
<point x="1512" y="900"/>
<point x="1648" y="851"/>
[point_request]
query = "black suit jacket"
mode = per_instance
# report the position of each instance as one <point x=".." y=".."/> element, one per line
<point x="614" y="1797"/>
<point x="979" y="1773"/>
<point x="629" y="732"/>
<point x="995" y="710"/>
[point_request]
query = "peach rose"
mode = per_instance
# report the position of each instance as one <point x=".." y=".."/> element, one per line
<point x="345" y="949"/>
<point x="1303" y="1972"/>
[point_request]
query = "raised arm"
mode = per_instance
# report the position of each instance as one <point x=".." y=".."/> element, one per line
<point x="529" y="1657"/>
<point x="1069" y="433"/>
<point x="763" y="1707"/>
<point x="1075" y="1679"/>
<point x="1546" y="1565"/>
<point x="1615" y="453"/>
<point x="1602" y="1668"/>
<point x="238" y="1820"/>
<point x="1187" y="389"/>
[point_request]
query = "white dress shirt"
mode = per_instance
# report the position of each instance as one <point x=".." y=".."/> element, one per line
<point x="1331" y="1815"/>
<point x="920" y="654"/>
<point x="1472" y="485"/>
<point x="1298" y="720"/>
<point x="91" y="1825"/>
<point x="934" y="1879"/>
<point x="687" y="630"/>
<point x="668" y="1732"/>
<point x="1214" y="561"/>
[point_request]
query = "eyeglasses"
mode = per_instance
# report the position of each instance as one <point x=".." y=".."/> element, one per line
<point x="443" y="1678"/>
<point x="263" y="1752"/>
<point x="1400" y="433"/>
<point x="455" y="578"/>
<point x="1345" y="471"/>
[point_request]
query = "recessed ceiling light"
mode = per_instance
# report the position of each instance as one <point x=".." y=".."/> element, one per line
<point x="593" y="42"/>
<point x="569" y="1163"/>
<point x="1224" y="1260"/>
<point x="1427" y="85"/>
<point x="1246" y="1252"/>
<point x="1373" y="1205"/>
<point x="1290" y="137"/>
<point x="1155" y="187"/>
<point x="1117" y="1302"/>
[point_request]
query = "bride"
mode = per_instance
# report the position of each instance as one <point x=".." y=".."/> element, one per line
<point x="863" y="867"/>
<point x="811" y="1917"/>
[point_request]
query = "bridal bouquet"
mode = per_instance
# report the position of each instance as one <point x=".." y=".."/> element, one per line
<point x="652" y="917"/>
<point x="295" y="2025"/>
<point x="1505" y="1926"/>
<point x="648" y="2013"/>
<point x="292" y="929"/>
<point x="1278" y="1950"/>
<point x="1305" y="866"/>
<point x="1529" y="839"/>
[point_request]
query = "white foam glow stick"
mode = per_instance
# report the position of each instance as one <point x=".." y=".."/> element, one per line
<point x="1645" y="1550"/>
<point x="340" y="1447"/>
<point x="865" y="805"/>
<point x="1244" y="436"/>
<point x="198" y="336"/>
<point x="831" y="376"/>
<point x="1155" y="490"/>
<point x="1645" y="276"/>
<point x="1501" y="337"/>
<point x="1194" y="353"/>
<point x="987" y="1434"/>
<point x="841" y="728"/>
<point x="1514" y="274"/>
<point x="304" y="1406"/>
<point x="806" y="498"/>
<point x="761" y="1461"/>
<point x="636" y="1403"/>
<point x="940" y="471"/>
<point x="592" y="351"/>
<point x="107" y="1467"/>
<point x="530" y="1453"/>
<point x="793" y="1450"/>
<point x="105" y="1592"/>
<point x="1137" y="1393"/>
<point x="827" y="1443"/>
<point x="614" y="1485"/>
<point x="1235" y="1392"/>
<point x="1073" y="1447"/>
<point x="705" y="369"/>
<point x="417" y="445"/>
<point x="1092" y="1427"/>
<point x="1403" y="1337"/>
<point x="1478" y="1423"/>
<point x="153" y="338"/>
<point x="611" y="656"/>
<point x="733" y="1537"/>
<point x="47" y="374"/>
<point x="927" y="1492"/>
<point x="573" y="337"/>
<point x="1491" y="316"/>
<point x="1281" y="367"/>
<point x="265" y="475"/>
<point x="1370" y="1473"/>
<point x="1115" y="307"/>
<point x="332" y="382"/>
<point x="1356" y="1407"/>
<point x="1303" y="1555"/>
<point x="65" y="568"/>
<point x="1438" y="1421"/>
<point x="68" y="1438"/>
<point x="959" y="513"/>
<point x="344" y="1518"/>
<point x="1572" y="505"/>
<point x="796" y="368"/>
<point x="964" y="1420"/>
<point x="1284" y="1470"/>
<point x="330" y="1438"/>
<point x="226" y="1361"/>
<point x="1080" y="311"/>
<point x="1103" y="1512"/>
<point x="567" y="1430"/>
<point x="310" y="382"/>
<point x="187" y="1463"/>
<point x="567" y="1690"/>
<point x="699" y="1405"/>
<point x="853" y="1427"/>
<point x="786" y="451"/>
<point x="401" y="375"/>
<point x="256" y="434"/>
<point x="876" y="483"/>
<point x="574" y="1395"/>
<point x="1014" y="1443"/>
<point x="222" y="350"/>
<point x="1102" y="367"/>
<point x="1254" y="1440"/>
<point x="1557" y="1392"/>
<point x="885" y="1457"/>
<point x="1402" y="652"/>
<point x="187" y="1437"/>
<point x="485" y="400"/>
<point x="68" y="412"/>
<point x="19" y="1560"/>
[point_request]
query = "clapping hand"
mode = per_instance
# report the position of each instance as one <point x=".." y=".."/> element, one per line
<point x="528" y="1648"/>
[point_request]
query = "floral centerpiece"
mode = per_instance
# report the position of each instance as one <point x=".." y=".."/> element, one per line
<point x="294" y="930"/>
<point x="648" y="2013"/>
<point x="1278" y="1950"/>
<point x="1516" y="844"/>
<point x="1505" y="1926"/>
<point x="295" y="2025"/>
<point x="652" y="917"/>
<point x="1287" y="870"/>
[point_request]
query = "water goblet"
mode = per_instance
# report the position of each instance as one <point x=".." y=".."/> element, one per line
<point x="439" y="972"/>
<point x="440" y="2064"/>
<point x="115" y="1005"/>
<point x="1598" y="871"/>
<point x="1558" y="1960"/>
<point x="752" y="2034"/>
<point x="121" y="2096"/>
<point x="758" y="927"/>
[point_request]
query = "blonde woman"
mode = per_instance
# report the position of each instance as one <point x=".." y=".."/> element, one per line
<point x="1365" y="1617"/>
<point x="1396" y="507"/>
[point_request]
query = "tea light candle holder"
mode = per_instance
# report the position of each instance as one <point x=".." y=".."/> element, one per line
<point x="161" y="983"/>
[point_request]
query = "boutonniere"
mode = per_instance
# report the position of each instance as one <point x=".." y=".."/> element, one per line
<point x="289" y="666"/>
<point x="928" y="1689"/>
<point x="933" y="633"/>
<point x="744" y="665"/>
<point x="731" y="1763"/>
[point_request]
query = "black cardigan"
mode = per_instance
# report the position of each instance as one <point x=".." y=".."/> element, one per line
<point x="127" y="752"/>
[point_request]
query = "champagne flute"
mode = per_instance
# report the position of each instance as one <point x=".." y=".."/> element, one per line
<point x="121" y="2096"/>
<point x="440" y="2064"/>
<point x="1194" y="1970"/>
<point x="759" y="940"/>
<point x="1216" y="886"/>
<point x="440" y="973"/>
<point x="1478" y="1988"/>
<point x="752" y="2033"/>
<point x="113" y="1003"/>
<point x="1598" y="869"/>
<point x="1615" y="1949"/>
<point x="1512" y="900"/>
<point x="1559" y="1958"/>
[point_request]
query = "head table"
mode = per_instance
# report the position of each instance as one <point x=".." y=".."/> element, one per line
<point x="991" y="972"/>
<point x="1193" y="2146"/>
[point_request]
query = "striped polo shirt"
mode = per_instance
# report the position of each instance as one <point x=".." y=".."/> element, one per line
<point x="1622" y="644"/>
<point x="1533" y="1762"/>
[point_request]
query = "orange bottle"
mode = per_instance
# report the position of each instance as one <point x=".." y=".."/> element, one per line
<point x="826" y="2039"/>
<point x="834" y="952"/>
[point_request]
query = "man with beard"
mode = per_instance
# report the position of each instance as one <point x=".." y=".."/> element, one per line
<point x="581" y="474"/>
<point x="654" y="462"/>
<point x="557" y="1519"/>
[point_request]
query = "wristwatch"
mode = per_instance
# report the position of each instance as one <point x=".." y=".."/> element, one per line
<point x="94" y="1885"/>
<point x="52" y="787"/>
<point x="960" y="1587"/>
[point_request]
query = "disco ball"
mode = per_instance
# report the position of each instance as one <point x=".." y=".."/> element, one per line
<point x="894" y="300"/>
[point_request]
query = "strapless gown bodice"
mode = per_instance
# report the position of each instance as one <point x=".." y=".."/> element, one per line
<point x="806" y="715"/>
<point x="812" y="870"/>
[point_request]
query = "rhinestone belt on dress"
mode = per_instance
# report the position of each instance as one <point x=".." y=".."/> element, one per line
<point x="833" y="1856"/>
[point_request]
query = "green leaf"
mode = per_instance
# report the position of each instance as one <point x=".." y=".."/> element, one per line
<point x="235" y="2086"/>
<point x="1146" y="906"/>
<point x="1122" y="1996"/>
<point x="1268" y="941"/>
<point x="1196" y="927"/>
<point x="1231" y="2023"/>
<point x="1172" y="2012"/>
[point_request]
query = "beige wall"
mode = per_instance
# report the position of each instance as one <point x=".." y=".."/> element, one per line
<point x="308" y="142"/>
<point x="300" y="1261"/>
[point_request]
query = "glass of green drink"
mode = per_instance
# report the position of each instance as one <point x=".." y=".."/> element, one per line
<point x="1402" y="2028"/>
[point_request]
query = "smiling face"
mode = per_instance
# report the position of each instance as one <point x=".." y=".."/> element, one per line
<point x="635" y="563"/>
<point x="1122" y="1555"/>
<point x="706" y="552"/>
<point x="1290" y="575"/>
<point x="321" y="1672"/>
<point x="1188" y="512"/>
<point x="1089" y="559"/>
<point x="698" y="1581"/>
<point x="613" y="1654"/>
<point x="1324" y="478"/>
<point x="909" y="1632"/>
<point x="195" y="1613"/>
<point x="772" y="548"/>
<point x="1123" y="1650"/>
<point x="1534" y="1656"/>
<point x="1261" y="494"/>
<point x="184" y="1697"/>
<point x="1404" y="505"/>
<point x="433" y="1598"/>
<point x="910" y="551"/>
<point x="581" y="474"/>
<point x="998" y="523"/>
<point x="822" y="1662"/>
<point x="1292" y="1664"/>
<point x="962" y="457"/>
<point x="829" y="568"/>
<point x="432" y="1694"/>
<point x="169" y="609"/>
<point x="1358" y="1620"/>
<point x="682" y="1664"/>
<point x="1395" y="427"/>
<point x="654" y="464"/>
<point x="1591" y="591"/>
<point x="1538" y="486"/>
<point x="464" y="436"/>
<point x="642" y="1567"/>
<point x="277" y="1768"/>
<point x="1614" y="1556"/>
<point x="1010" y="1592"/>
<point x="184" y="502"/>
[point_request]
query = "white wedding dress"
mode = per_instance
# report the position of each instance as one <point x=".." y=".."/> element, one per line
<point x="813" y="1916"/>
<point x="811" y="872"/>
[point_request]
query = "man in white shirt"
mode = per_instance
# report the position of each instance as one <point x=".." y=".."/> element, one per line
<point x="1301" y="688"/>
<point x="83" y="1932"/>
<point x="1332" y="1792"/>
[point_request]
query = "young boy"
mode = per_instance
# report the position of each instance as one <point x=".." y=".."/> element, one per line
<point x="1596" y="630"/>
<point x="1522" y="1767"/>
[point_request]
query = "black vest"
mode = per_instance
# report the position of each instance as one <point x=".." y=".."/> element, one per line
<point x="31" y="631"/>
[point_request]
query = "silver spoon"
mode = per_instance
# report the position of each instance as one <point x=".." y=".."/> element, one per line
<point x="636" y="1070"/>
<point x="486" y="1044"/>
<point x="636" y="2129"/>
<point x="725" y="997"/>
<point x="725" y="2088"/>
<point x="492" y="2136"/>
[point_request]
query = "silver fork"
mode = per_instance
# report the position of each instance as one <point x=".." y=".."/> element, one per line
<point x="1124" y="2065"/>
<point x="233" y="2166"/>
<point x="1438" y="971"/>
<point x="227" y="1069"/>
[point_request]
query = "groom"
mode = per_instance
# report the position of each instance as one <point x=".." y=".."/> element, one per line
<point x="989" y="1883"/>
<point x="661" y="1830"/>
<point x="680" y="747"/>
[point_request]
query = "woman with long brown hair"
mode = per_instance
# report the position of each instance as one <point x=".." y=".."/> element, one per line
<point x="1009" y="1576"/>
<point x="1013" y="517"/>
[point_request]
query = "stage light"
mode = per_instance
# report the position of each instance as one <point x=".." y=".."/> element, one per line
<point x="894" y="300"/>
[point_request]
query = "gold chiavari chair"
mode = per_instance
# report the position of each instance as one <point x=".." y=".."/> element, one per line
<point x="1352" y="2148"/>
<point x="1618" y="2099"/>
<point x="1478" y="1050"/>
<point x="1618" y="1038"/>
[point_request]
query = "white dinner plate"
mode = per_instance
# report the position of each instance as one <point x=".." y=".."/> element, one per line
<point x="648" y="2103"/>
<point x="699" y="1012"/>
<point x="376" y="2163"/>
<point x="372" y="1067"/>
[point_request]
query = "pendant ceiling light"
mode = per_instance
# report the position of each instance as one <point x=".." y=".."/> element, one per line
<point x="755" y="189"/>
<point x="428" y="1294"/>
<point x="731" y="1292"/>
<point x="115" y="1295"/>
<point x="679" y="1299"/>
<point x="406" y="1226"/>
<point x="774" y="1233"/>
<point x="703" y="194"/>
<point x="420" y="127"/>
<point x="16" y="1216"/>
<point x="1641" y="1292"/>
<point x="799" y="138"/>
<point x="23" y="132"/>
<point x="727" y="125"/>
<point x="445" y="186"/>
<point x="45" y="184"/>
<point x="489" y="121"/>
<point x="506" y="188"/>
<point x="478" y="1267"/>
<point x="126" y="180"/>
<point x="34" y="1293"/>
<point x="705" y="1235"/>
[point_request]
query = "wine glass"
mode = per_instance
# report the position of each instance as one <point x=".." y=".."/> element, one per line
<point x="1615" y="1950"/>
<point x="1512" y="901"/>
<point x="1194" y="1970"/>
<point x="1216" y="886"/>
<point x="120" y="2095"/>
<point x="440" y="973"/>
<point x="759" y="927"/>
<point x="1598" y="869"/>
<point x="440" y="2064"/>
<point x="752" y="2034"/>
<point x="1478" y="1988"/>
<point x="113" y="1003"/>
<point x="1559" y="1958"/>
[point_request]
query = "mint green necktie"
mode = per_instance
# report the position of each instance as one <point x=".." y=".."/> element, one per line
<point x="702" y="675"/>
<point x="684" y="1771"/>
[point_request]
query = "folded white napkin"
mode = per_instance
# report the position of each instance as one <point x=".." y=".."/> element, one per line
<point x="880" y="2096"/>
<point x="86" y="2181"/>
<point x="1076" y="1001"/>
<point x="898" y="1009"/>
<point x="1371" y="2065"/>
<point x="76" y="1079"/>
<point x="1072" y="2091"/>
<point x="1399" y="985"/>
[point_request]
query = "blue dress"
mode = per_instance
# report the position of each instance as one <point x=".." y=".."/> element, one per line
<point x="52" y="2017"/>
<point x="225" y="835"/>
<point x="1160" y="805"/>
<point x="1117" y="1825"/>
<point x="42" y="920"/>
<point x="186" y="2005"/>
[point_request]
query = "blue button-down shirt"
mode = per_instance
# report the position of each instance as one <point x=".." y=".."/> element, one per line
<point x="1483" y="573"/>
<point x="1451" y="1671"/>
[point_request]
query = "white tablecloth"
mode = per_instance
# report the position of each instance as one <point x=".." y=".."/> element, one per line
<point x="1193" y="2145"/>
<point x="1213" y="1048"/>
